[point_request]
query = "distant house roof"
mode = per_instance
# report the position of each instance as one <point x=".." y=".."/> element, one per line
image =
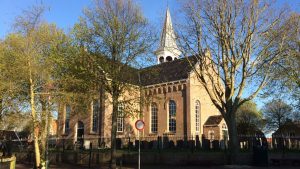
<point x="288" y="127"/>
<point x="166" y="72"/>
<point x="213" y="120"/>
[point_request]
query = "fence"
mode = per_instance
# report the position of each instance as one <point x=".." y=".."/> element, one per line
<point x="147" y="143"/>
<point x="89" y="151"/>
<point x="163" y="142"/>
<point x="280" y="142"/>
<point x="247" y="142"/>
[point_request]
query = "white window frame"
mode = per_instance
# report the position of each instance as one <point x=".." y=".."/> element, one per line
<point x="120" y="118"/>
<point x="211" y="135"/>
<point x="197" y="116"/>
<point x="95" y="120"/>
<point x="154" y="118"/>
<point x="172" y="116"/>
<point x="68" y="111"/>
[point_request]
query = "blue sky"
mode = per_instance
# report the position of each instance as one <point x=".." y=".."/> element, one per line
<point x="66" y="12"/>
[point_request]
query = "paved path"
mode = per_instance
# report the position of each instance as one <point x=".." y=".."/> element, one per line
<point x="66" y="166"/>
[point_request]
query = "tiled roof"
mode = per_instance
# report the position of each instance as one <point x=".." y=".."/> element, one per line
<point x="213" y="120"/>
<point x="288" y="126"/>
<point x="166" y="72"/>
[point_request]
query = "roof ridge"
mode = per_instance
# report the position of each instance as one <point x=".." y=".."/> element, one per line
<point x="165" y="63"/>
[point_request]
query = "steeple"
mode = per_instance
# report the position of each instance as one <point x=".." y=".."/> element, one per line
<point x="168" y="50"/>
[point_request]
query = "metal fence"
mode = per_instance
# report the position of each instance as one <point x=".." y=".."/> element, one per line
<point x="195" y="143"/>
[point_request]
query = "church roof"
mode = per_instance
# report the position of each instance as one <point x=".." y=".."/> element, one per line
<point x="178" y="69"/>
<point x="213" y="120"/>
<point x="166" y="72"/>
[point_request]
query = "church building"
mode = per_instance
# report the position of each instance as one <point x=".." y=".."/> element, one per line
<point x="179" y="105"/>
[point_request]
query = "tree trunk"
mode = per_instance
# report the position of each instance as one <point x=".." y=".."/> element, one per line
<point x="113" y="162"/>
<point x="35" y="123"/>
<point x="44" y="130"/>
<point x="233" y="146"/>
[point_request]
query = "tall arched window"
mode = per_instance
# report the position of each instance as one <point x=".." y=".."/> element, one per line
<point x="197" y="116"/>
<point x="95" y="117"/>
<point x="154" y="118"/>
<point x="120" y="118"/>
<point x="172" y="116"/>
<point x="67" y="119"/>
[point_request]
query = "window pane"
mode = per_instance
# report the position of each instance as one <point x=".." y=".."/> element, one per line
<point x="197" y="116"/>
<point x="172" y="116"/>
<point x="67" y="119"/>
<point x="96" y="109"/>
<point x="68" y="111"/>
<point x="120" y="118"/>
<point x="154" y="118"/>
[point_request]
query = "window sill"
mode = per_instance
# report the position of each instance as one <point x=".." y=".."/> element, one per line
<point x="169" y="133"/>
<point x="152" y="134"/>
<point x="93" y="133"/>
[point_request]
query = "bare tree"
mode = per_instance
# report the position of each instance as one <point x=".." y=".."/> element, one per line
<point x="286" y="70"/>
<point x="115" y="35"/>
<point x="231" y="42"/>
<point x="276" y="113"/>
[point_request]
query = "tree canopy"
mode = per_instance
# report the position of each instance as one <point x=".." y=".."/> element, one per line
<point x="276" y="113"/>
<point x="234" y="44"/>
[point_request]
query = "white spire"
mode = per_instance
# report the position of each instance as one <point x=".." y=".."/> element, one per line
<point x="168" y="50"/>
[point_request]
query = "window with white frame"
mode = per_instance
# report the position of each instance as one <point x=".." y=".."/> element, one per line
<point x="120" y="118"/>
<point x="67" y="118"/>
<point x="197" y="116"/>
<point x="211" y="135"/>
<point x="154" y="111"/>
<point x="172" y="116"/>
<point x="95" y="116"/>
<point x="224" y="132"/>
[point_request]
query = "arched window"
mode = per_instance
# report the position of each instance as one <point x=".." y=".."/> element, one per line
<point x="224" y="132"/>
<point x="154" y="111"/>
<point x="197" y="116"/>
<point x="67" y="119"/>
<point x="161" y="59"/>
<point x="120" y="118"/>
<point x="169" y="59"/>
<point x="211" y="135"/>
<point x="95" y="117"/>
<point x="172" y="116"/>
